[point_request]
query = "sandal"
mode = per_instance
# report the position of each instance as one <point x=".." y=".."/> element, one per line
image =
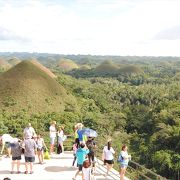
<point x="25" y="172"/>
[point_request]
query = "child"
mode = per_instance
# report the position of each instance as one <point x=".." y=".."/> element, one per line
<point x="40" y="148"/>
<point x="75" y="148"/>
<point x="81" y="154"/>
<point x="86" y="170"/>
<point x="16" y="151"/>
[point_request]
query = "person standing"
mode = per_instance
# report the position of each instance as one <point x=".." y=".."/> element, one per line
<point x="5" y="140"/>
<point x="40" y="148"/>
<point x="29" y="131"/>
<point x="123" y="159"/>
<point x="16" y="151"/>
<point x="29" y="146"/>
<point x="60" y="138"/>
<point x="108" y="153"/>
<point x="52" y="133"/>
<point x="81" y="154"/>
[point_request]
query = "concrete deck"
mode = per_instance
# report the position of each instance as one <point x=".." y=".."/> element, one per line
<point x="59" y="167"/>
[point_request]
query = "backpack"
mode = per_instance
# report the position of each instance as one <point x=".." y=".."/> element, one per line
<point x="120" y="158"/>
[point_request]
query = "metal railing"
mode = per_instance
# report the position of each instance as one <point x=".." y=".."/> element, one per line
<point x="135" y="171"/>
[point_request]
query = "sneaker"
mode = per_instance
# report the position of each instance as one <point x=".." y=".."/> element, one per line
<point x="18" y="172"/>
<point x="25" y="172"/>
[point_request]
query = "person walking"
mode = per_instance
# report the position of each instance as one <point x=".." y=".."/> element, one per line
<point x="91" y="145"/>
<point x="86" y="170"/>
<point x="52" y="134"/>
<point x="81" y="156"/>
<point x="75" y="148"/>
<point x="123" y="159"/>
<point x="108" y="153"/>
<point x="29" y="146"/>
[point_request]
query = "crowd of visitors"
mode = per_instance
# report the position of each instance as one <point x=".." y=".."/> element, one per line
<point x="84" y="149"/>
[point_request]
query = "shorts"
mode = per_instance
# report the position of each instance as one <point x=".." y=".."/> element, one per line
<point x="80" y="167"/>
<point x="29" y="159"/>
<point x="16" y="158"/>
<point x="123" y="166"/>
<point x="52" y="140"/>
<point x="60" y="140"/>
<point x="108" y="161"/>
<point x="7" y="144"/>
<point x="39" y="149"/>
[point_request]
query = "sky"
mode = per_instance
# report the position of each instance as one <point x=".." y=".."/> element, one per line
<point x="96" y="27"/>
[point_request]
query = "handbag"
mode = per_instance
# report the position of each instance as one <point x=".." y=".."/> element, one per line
<point x="46" y="155"/>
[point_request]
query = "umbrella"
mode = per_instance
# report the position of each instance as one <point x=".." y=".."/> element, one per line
<point x="89" y="132"/>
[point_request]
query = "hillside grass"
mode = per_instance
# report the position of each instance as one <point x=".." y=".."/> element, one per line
<point x="27" y="87"/>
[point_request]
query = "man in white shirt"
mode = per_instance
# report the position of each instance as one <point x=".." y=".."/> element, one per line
<point x="52" y="134"/>
<point x="6" y="139"/>
<point x="29" y="131"/>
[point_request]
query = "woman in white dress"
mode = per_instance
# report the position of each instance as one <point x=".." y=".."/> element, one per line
<point x="61" y="137"/>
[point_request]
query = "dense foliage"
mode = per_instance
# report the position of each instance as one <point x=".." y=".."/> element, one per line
<point x="141" y="110"/>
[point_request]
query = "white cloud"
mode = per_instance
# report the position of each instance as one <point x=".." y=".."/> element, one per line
<point x="90" y="27"/>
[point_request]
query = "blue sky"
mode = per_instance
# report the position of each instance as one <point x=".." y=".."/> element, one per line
<point x="101" y="27"/>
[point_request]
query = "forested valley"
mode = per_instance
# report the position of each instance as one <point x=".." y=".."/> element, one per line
<point x="132" y="100"/>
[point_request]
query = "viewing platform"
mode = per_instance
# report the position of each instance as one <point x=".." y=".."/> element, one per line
<point x="59" y="167"/>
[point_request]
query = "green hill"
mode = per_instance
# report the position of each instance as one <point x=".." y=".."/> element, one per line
<point x="67" y="64"/>
<point x="14" y="61"/>
<point x="4" y="64"/>
<point x="106" y="67"/>
<point x="26" y="86"/>
<point x="130" y="69"/>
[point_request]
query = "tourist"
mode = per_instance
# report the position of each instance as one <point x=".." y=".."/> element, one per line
<point x="75" y="148"/>
<point x="29" y="131"/>
<point x="40" y="148"/>
<point x="80" y="134"/>
<point x="86" y="170"/>
<point x="81" y="155"/>
<point x="16" y="151"/>
<point x="75" y="129"/>
<point x="60" y="139"/>
<point x="29" y="146"/>
<point x="5" y="140"/>
<point x="91" y="145"/>
<point x="108" y="152"/>
<point x="123" y="159"/>
<point x="52" y="133"/>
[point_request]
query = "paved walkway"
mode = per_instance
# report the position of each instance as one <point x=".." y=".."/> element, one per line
<point x="59" y="167"/>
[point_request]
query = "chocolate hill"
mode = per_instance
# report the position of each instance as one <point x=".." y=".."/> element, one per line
<point x="27" y="87"/>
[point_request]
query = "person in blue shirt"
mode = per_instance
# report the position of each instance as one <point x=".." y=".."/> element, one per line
<point x="81" y="155"/>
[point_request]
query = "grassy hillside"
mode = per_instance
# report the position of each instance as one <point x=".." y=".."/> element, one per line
<point x="43" y="68"/>
<point x="106" y="67"/>
<point x="27" y="87"/>
<point x="67" y="64"/>
<point x="14" y="61"/>
<point x="4" y="64"/>
<point x="130" y="69"/>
